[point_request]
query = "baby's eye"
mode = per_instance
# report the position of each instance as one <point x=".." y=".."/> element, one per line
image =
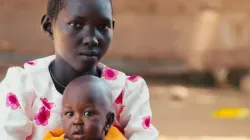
<point x="104" y="27"/>
<point x="69" y="114"/>
<point x="88" y="114"/>
<point x="76" y="24"/>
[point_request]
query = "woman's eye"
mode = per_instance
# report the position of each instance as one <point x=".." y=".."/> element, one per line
<point x="69" y="114"/>
<point x="76" y="24"/>
<point x="88" y="114"/>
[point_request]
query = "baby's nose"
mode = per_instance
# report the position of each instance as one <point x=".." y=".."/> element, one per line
<point x="77" y="120"/>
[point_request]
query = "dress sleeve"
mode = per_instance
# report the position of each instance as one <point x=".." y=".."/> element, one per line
<point x="15" y="106"/>
<point x="137" y="111"/>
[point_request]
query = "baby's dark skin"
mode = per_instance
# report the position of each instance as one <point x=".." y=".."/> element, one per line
<point x="81" y="34"/>
<point x="86" y="109"/>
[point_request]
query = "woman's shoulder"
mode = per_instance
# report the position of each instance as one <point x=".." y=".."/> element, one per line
<point x="20" y="82"/>
<point x="17" y="75"/>
<point x="14" y="83"/>
<point x="116" y="77"/>
<point x="39" y="65"/>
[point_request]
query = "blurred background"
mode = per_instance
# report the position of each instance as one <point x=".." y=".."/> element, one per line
<point x="194" y="55"/>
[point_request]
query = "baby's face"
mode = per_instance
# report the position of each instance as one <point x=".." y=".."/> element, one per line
<point x="83" y="117"/>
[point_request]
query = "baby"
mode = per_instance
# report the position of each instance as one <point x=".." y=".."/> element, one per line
<point x="86" y="112"/>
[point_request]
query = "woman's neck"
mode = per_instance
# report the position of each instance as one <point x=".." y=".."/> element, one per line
<point x="63" y="73"/>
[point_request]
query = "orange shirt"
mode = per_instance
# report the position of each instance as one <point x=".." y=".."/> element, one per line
<point x="113" y="134"/>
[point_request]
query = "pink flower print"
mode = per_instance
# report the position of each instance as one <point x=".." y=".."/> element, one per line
<point x="119" y="110"/>
<point x="46" y="103"/>
<point x="32" y="63"/>
<point x="28" y="137"/>
<point x="42" y="116"/>
<point x="119" y="106"/>
<point x="146" y="121"/>
<point x="119" y="99"/>
<point x="12" y="101"/>
<point x="110" y="74"/>
<point x="133" y="78"/>
<point x="118" y="117"/>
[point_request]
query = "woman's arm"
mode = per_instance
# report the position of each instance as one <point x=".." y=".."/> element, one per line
<point x="15" y="106"/>
<point x="137" y="109"/>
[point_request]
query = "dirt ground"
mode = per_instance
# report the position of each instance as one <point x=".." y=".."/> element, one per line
<point x="191" y="117"/>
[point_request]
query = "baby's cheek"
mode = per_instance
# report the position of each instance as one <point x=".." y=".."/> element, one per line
<point x="93" y="128"/>
<point x="66" y="126"/>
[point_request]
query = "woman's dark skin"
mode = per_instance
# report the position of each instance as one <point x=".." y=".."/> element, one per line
<point x="81" y="34"/>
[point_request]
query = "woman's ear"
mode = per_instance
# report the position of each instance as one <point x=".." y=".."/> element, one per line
<point x="46" y="25"/>
<point x="113" y="24"/>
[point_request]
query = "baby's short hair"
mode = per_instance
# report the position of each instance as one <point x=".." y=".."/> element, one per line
<point x="55" y="6"/>
<point x="103" y="92"/>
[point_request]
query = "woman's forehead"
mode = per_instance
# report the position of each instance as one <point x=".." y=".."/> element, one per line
<point x="80" y="8"/>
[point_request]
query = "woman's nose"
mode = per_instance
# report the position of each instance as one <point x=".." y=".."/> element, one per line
<point x="90" y="41"/>
<point x="89" y="36"/>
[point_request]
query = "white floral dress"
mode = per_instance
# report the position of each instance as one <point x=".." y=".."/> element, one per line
<point x="31" y="106"/>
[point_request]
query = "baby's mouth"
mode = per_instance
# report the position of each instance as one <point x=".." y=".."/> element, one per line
<point x="78" y="134"/>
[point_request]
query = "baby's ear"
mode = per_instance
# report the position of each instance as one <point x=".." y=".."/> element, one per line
<point x="110" y="119"/>
<point x="46" y="24"/>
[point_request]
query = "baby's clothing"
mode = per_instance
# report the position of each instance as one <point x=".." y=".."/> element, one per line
<point x="113" y="134"/>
